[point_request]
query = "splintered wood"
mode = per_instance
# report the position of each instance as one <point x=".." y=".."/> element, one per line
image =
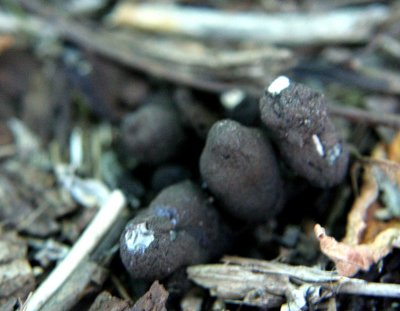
<point x="270" y="284"/>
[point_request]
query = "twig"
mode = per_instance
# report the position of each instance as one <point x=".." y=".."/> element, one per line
<point x="344" y="26"/>
<point x="389" y="45"/>
<point x="120" y="287"/>
<point x="370" y="289"/>
<point x="132" y="55"/>
<point x="207" y="69"/>
<point x="99" y="226"/>
<point x="367" y="117"/>
<point x="262" y="283"/>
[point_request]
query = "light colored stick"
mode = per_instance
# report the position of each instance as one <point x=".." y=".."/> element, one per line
<point x="370" y="289"/>
<point x="237" y="278"/>
<point x="346" y="25"/>
<point x="101" y="223"/>
<point x="14" y="24"/>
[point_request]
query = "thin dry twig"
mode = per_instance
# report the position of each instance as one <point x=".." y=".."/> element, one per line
<point x="267" y="283"/>
<point x="96" y="230"/>
<point x="370" y="289"/>
<point x="366" y="117"/>
<point x="346" y="25"/>
<point x="104" y="42"/>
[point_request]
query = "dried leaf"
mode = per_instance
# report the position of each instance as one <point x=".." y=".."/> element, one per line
<point x="394" y="149"/>
<point x="356" y="224"/>
<point x="349" y="259"/>
<point x="373" y="226"/>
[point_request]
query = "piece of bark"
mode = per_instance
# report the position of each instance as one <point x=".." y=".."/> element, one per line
<point x="16" y="277"/>
<point x="238" y="285"/>
<point x="106" y="302"/>
<point x="96" y="232"/>
<point x="11" y="247"/>
<point x="29" y="198"/>
<point x="154" y="299"/>
<point x="87" y="279"/>
<point x="9" y="304"/>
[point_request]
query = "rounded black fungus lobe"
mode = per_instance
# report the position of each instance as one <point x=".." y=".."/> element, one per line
<point x="152" y="134"/>
<point x="240" y="169"/>
<point x="179" y="228"/>
<point x="298" y="117"/>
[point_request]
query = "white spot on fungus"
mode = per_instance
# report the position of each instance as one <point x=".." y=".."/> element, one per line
<point x="138" y="238"/>
<point x="278" y="85"/>
<point x="318" y="145"/>
<point x="232" y="98"/>
<point x="334" y="153"/>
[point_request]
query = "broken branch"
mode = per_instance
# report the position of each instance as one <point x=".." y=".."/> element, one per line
<point x="344" y="26"/>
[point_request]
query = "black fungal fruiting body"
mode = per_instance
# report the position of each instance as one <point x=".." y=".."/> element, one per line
<point x="152" y="134"/>
<point x="240" y="169"/>
<point x="298" y="118"/>
<point x="179" y="228"/>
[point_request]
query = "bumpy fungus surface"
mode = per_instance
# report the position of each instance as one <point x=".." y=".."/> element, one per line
<point x="240" y="169"/>
<point x="152" y="134"/>
<point x="179" y="228"/>
<point x="297" y="116"/>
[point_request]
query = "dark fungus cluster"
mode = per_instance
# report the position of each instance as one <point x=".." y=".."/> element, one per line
<point x="180" y="227"/>
<point x="237" y="165"/>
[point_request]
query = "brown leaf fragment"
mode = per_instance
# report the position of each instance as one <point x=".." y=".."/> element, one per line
<point x="373" y="226"/>
<point x="154" y="299"/>
<point x="349" y="259"/>
<point x="356" y="219"/>
<point x="393" y="149"/>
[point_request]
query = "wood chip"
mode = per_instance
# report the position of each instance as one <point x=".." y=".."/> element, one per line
<point x="154" y="300"/>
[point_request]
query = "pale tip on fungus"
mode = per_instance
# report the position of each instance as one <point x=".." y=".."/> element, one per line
<point x="138" y="239"/>
<point x="278" y="85"/>
<point x="318" y="145"/>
